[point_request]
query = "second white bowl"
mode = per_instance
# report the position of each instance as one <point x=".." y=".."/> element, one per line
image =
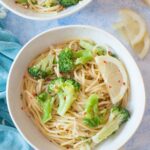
<point x="30" y="14"/>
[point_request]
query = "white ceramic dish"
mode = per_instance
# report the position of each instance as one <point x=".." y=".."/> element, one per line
<point x="30" y="14"/>
<point x="35" y="46"/>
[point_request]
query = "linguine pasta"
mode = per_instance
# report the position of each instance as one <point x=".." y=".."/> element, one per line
<point x="68" y="131"/>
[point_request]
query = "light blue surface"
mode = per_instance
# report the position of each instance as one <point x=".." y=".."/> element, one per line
<point x="100" y="13"/>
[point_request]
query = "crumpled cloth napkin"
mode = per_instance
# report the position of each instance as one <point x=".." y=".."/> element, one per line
<point x="3" y="12"/>
<point x="10" y="139"/>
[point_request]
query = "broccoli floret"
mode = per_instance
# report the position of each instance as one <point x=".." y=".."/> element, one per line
<point x="120" y="112"/>
<point x="66" y="60"/>
<point x="67" y="3"/>
<point x="49" y="3"/>
<point x="74" y="83"/>
<point x="86" y="45"/>
<point x="46" y="102"/>
<point x="66" y="91"/>
<point x="83" y="56"/>
<point x="112" y="54"/>
<point x="89" y="46"/>
<point x="117" y="117"/>
<point x="22" y="1"/>
<point x="94" y="116"/>
<point x="100" y="51"/>
<point x="42" y="69"/>
<point x="56" y="85"/>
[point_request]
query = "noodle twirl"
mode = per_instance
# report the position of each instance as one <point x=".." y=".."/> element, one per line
<point x="76" y="93"/>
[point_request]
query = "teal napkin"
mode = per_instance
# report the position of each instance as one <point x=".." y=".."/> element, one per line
<point x="10" y="139"/>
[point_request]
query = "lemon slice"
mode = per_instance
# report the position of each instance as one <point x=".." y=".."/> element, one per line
<point x="134" y="25"/>
<point x="147" y="2"/>
<point x="133" y="28"/>
<point x="143" y="47"/>
<point x="114" y="76"/>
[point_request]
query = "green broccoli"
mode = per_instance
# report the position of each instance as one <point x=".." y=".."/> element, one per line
<point x="112" y="54"/>
<point x="66" y="60"/>
<point x="42" y="69"/>
<point x="49" y="3"/>
<point x="117" y="117"/>
<point x="89" y="46"/>
<point x="86" y="45"/>
<point x="56" y="85"/>
<point x="100" y="51"/>
<point x="83" y="56"/>
<point x="93" y="116"/>
<point x="46" y="102"/>
<point x="66" y="91"/>
<point x="22" y="1"/>
<point x="68" y="3"/>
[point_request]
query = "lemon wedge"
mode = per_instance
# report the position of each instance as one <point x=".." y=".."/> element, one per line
<point x="147" y="2"/>
<point x="114" y="76"/>
<point x="133" y="28"/>
<point x="143" y="47"/>
<point x="134" y="25"/>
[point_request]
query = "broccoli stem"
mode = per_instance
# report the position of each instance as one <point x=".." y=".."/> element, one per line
<point x="108" y="130"/>
<point x="117" y="117"/>
<point x="61" y="102"/>
<point x="47" y="110"/>
<point x="68" y="101"/>
<point x="92" y="118"/>
<point x="46" y="102"/>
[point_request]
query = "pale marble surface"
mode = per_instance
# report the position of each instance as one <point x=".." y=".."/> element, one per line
<point x="100" y="13"/>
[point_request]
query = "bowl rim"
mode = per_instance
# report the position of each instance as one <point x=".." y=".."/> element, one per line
<point x="90" y="28"/>
<point x="50" y="17"/>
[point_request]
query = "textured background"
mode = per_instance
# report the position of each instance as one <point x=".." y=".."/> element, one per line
<point x="102" y="14"/>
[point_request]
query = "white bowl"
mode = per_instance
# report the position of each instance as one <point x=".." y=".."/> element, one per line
<point x="39" y="43"/>
<point x="30" y="14"/>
